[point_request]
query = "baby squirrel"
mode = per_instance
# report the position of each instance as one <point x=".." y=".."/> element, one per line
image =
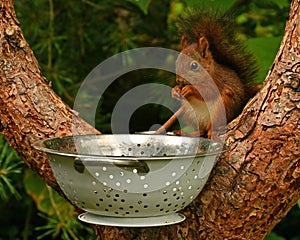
<point x="208" y="42"/>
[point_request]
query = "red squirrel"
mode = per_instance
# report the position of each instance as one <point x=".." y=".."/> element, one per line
<point x="208" y="42"/>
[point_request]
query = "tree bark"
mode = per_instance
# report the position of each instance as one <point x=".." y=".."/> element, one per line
<point x="253" y="186"/>
<point x="29" y="108"/>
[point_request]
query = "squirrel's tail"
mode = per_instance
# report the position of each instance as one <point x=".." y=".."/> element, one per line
<point x="219" y="30"/>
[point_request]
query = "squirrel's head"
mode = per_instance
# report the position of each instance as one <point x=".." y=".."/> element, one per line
<point x="195" y="62"/>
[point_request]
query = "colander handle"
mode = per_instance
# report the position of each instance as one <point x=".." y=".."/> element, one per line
<point x="140" y="167"/>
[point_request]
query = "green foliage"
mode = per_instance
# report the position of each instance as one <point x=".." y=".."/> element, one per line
<point x="10" y="166"/>
<point x="281" y="4"/>
<point x="70" y="39"/>
<point x="262" y="18"/>
<point x="211" y="4"/>
<point x="61" y="219"/>
<point x="265" y="49"/>
<point x="42" y="195"/>
<point x="142" y="4"/>
<point x="261" y="25"/>
<point x="274" y="236"/>
<point x="65" y="228"/>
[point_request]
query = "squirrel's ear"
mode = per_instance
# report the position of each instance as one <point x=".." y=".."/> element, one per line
<point x="203" y="46"/>
<point x="184" y="42"/>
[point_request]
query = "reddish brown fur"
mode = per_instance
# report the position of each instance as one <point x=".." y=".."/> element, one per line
<point x="215" y="72"/>
<point x="196" y="88"/>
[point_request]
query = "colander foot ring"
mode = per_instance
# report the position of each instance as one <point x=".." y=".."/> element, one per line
<point x="132" y="222"/>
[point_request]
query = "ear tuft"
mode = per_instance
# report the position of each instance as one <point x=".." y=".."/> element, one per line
<point x="184" y="42"/>
<point x="203" y="47"/>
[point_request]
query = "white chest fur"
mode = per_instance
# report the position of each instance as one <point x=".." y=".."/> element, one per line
<point x="199" y="113"/>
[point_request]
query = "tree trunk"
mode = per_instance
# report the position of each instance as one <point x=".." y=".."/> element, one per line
<point x="29" y="108"/>
<point x="253" y="186"/>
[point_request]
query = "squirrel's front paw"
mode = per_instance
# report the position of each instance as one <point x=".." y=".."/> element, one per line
<point x="190" y="91"/>
<point x="176" y="93"/>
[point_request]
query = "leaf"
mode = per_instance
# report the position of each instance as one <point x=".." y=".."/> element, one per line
<point x="10" y="166"/>
<point x="142" y="4"/>
<point x="265" y="49"/>
<point x="211" y="4"/>
<point x="38" y="191"/>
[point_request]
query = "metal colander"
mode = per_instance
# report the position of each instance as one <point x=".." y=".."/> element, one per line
<point x="131" y="176"/>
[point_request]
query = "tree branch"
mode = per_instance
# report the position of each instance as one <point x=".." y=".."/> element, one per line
<point x="29" y="108"/>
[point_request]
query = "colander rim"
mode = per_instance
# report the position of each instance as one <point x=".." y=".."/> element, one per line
<point x="39" y="145"/>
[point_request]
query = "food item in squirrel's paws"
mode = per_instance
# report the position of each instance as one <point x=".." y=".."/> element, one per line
<point x="213" y="70"/>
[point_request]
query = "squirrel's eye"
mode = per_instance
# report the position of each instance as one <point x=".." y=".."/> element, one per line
<point x="194" y="66"/>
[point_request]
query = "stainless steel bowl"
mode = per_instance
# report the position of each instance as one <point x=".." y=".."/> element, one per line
<point x="123" y="179"/>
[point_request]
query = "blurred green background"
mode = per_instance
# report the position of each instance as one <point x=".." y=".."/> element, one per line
<point x="69" y="38"/>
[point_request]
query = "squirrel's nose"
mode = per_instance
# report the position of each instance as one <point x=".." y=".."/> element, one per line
<point x="179" y="79"/>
